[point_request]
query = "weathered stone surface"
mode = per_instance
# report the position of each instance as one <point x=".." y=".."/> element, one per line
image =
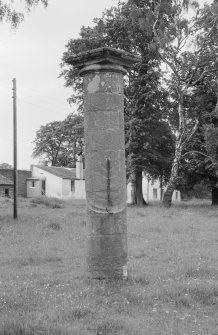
<point x="106" y="224"/>
<point x="107" y="255"/>
<point x="113" y="140"/>
<point x="103" y="71"/>
<point x="101" y="82"/>
<point x="102" y="120"/>
<point x="103" y="102"/>
<point x="102" y="55"/>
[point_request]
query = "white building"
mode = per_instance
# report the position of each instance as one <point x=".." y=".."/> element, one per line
<point x="58" y="182"/>
<point x="63" y="182"/>
<point x="151" y="190"/>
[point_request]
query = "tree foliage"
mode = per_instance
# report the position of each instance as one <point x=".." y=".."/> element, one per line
<point x="145" y="99"/>
<point x="9" y="14"/>
<point x="188" y="66"/>
<point x="60" y="141"/>
<point x="165" y="102"/>
<point x="5" y="166"/>
<point x="200" y="159"/>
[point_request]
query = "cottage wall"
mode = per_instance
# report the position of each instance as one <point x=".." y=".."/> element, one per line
<point x="22" y="175"/>
<point x="152" y="191"/>
<point x="53" y="186"/>
<point x="34" y="191"/>
<point x="9" y="188"/>
<point x="66" y="187"/>
<point x="176" y="196"/>
<point x="80" y="192"/>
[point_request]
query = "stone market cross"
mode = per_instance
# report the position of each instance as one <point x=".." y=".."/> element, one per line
<point x="102" y="70"/>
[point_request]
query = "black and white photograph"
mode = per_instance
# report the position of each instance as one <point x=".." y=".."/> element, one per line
<point x="108" y="167"/>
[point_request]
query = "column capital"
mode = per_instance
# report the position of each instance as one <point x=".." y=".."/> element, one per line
<point x="102" y="59"/>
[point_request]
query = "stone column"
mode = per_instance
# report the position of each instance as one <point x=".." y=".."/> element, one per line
<point x="102" y="70"/>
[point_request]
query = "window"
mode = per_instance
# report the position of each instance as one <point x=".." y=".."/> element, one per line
<point x="6" y="192"/>
<point x="33" y="183"/>
<point x="72" y="186"/>
<point x="155" y="193"/>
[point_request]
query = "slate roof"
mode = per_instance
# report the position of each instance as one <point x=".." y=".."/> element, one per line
<point x="5" y="181"/>
<point x="61" y="172"/>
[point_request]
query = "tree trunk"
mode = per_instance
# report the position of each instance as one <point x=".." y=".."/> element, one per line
<point x="139" y="195"/>
<point x="137" y="198"/>
<point x="133" y="192"/>
<point x="214" y="196"/>
<point x="167" y="198"/>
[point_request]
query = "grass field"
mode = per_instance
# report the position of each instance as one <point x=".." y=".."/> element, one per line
<point x="173" y="272"/>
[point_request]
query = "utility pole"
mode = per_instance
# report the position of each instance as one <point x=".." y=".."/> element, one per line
<point x="15" y="143"/>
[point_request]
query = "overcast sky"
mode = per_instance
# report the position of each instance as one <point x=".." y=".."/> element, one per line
<point x="32" y="55"/>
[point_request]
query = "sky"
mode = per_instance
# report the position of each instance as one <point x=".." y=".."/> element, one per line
<point x="32" y="54"/>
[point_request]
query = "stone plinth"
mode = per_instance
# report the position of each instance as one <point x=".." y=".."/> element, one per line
<point x="102" y="70"/>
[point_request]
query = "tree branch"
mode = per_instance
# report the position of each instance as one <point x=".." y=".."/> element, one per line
<point x="195" y="152"/>
<point x="192" y="132"/>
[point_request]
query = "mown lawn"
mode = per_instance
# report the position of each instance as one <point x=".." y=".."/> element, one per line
<point x="173" y="273"/>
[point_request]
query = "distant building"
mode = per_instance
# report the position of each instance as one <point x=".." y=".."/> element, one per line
<point x="58" y="182"/>
<point x="6" y="187"/>
<point x="151" y="190"/>
<point x="22" y="175"/>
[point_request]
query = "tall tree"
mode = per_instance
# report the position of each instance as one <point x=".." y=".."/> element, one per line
<point x="10" y="14"/>
<point x="149" y="140"/>
<point x="200" y="158"/>
<point x="171" y="37"/>
<point x="117" y="28"/>
<point x="60" y="141"/>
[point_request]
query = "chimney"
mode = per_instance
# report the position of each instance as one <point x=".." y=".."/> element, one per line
<point x="79" y="167"/>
